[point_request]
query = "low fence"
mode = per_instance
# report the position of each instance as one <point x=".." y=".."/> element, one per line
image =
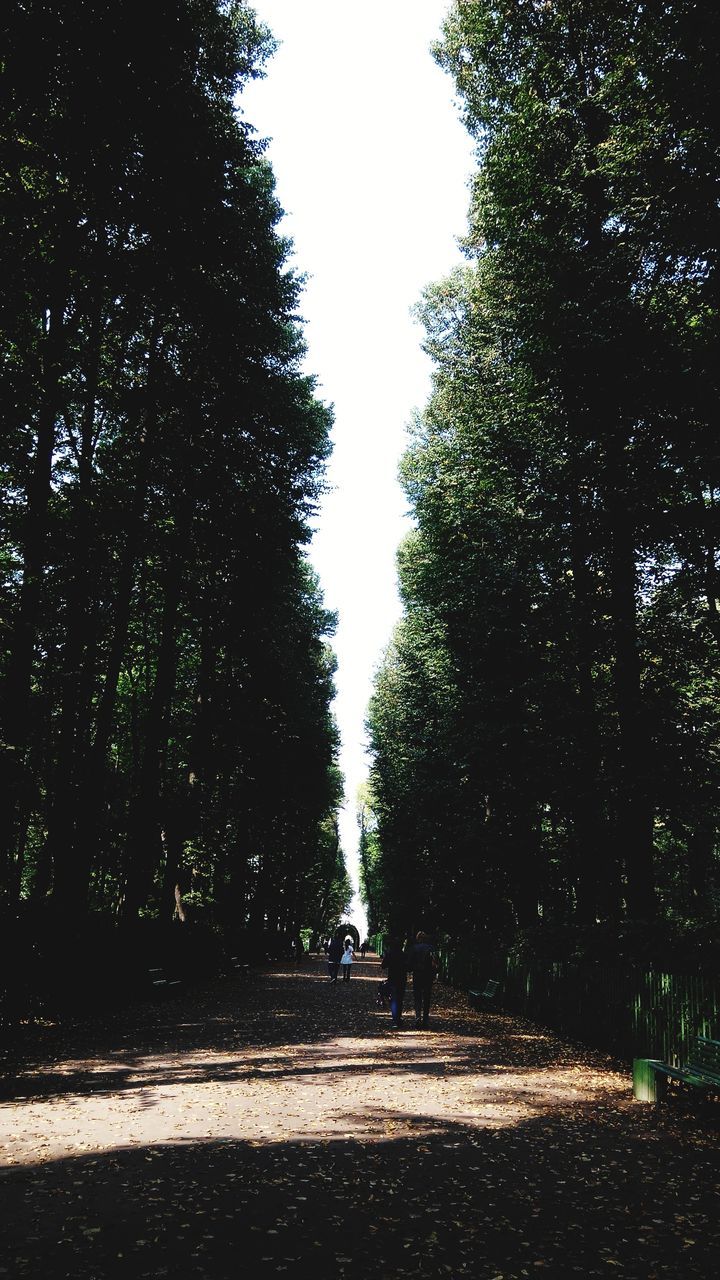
<point x="630" y="1014"/>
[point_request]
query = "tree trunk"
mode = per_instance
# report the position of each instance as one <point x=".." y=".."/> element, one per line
<point x="17" y="695"/>
<point x="596" y="872"/>
<point x="712" y="577"/>
<point x="76" y="680"/>
<point x="701" y="844"/>
<point x="186" y="803"/>
<point x="527" y="862"/>
<point x="172" y="844"/>
<point x="144" y="826"/>
<point x="73" y="864"/>
<point x="635" y="816"/>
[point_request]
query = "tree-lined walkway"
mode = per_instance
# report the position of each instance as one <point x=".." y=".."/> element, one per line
<point x="277" y="1124"/>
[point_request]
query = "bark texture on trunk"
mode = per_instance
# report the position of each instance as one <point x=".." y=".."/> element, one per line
<point x="635" y="811"/>
<point x="16" y="708"/>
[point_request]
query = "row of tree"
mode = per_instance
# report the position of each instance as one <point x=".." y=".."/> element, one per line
<point x="166" y="677"/>
<point x="546" y="726"/>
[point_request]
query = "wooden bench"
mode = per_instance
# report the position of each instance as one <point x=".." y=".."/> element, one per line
<point x="477" y="998"/>
<point x="161" y="985"/>
<point x="701" y="1071"/>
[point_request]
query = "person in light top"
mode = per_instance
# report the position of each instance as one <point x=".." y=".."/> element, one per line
<point x="347" y="959"/>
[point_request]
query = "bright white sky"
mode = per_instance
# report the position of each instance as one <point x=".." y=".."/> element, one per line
<point x="372" y="164"/>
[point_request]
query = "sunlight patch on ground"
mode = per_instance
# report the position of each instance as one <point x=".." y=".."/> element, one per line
<point x="287" y="1092"/>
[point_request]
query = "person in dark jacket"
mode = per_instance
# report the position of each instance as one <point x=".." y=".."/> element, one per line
<point x="421" y="962"/>
<point x="335" y="951"/>
<point x="393" y="961"/>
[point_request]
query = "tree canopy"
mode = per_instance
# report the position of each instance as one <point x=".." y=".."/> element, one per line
<point x="544" y="727"/>
<point x="166" y="675"/>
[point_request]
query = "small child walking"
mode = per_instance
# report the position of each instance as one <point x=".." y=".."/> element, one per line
<point x="346" y="960"/>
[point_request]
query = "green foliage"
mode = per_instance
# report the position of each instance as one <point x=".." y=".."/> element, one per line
<point x="543" y="726"/>
<point x="166" y="676"/>
<point x="372" y="881"/>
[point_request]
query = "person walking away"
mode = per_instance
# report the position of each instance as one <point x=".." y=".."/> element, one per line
<point x="363" y="948"/>
<point x="346" y="960"/>
<point x="334" y="955"/>
<point x="422" y="962"/>
<point x="394" y="963"/>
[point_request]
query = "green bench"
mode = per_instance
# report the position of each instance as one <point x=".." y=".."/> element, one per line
<point x="701" y="1071"/>
<point x="478" y="998"/>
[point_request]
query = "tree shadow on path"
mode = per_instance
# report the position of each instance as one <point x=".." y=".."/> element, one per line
<point x="485" y="1148"/>
<point x="494" y="1203"/>
<point x="226" y="1031"/>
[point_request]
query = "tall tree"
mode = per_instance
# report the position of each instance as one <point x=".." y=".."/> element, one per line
<point x="563" y="475"/>
<point x="164" y="645"/>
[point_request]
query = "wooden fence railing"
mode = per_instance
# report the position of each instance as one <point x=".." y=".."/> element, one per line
<point x="628" y="1013"/>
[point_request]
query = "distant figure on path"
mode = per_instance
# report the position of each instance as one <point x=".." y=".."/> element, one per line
<point x="421" y="961"/>
<point x="364" y="948"/>
<point x="334" y="955"/>
<point x="347" y="959"/>
<point x="395" y="964"/>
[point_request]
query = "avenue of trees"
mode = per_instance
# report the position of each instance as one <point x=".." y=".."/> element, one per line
<point x="167" y="744"/>
<point x="546" y="724"/>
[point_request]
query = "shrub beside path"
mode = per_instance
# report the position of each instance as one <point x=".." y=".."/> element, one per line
<point x="276" y="1123"/>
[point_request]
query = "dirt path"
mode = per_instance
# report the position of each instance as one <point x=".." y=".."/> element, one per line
<point x="277" y="1124"/>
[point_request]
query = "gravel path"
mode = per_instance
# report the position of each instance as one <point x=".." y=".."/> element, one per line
<point x="276" y="1123"/>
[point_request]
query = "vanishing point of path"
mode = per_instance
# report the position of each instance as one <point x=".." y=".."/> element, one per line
<point x="276" y="1124"/>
